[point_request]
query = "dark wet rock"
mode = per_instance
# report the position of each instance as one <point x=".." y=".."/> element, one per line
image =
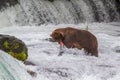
<point x="14" y="46"/>
<point x="29" y="63"/>
<point x="62" y="72"/>
<point x="6" y="3"/>
<point x="32" y="73"/>
<point x="117" y="49"/>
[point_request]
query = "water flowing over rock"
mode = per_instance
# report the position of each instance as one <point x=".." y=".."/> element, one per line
<point x="10" y="69"/>
<point x="37" y="12"/>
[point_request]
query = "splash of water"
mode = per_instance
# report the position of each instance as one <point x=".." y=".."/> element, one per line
<point x="37" y="12"/>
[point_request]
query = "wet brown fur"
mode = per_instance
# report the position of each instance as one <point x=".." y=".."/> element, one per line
<point x="77" y="38"/>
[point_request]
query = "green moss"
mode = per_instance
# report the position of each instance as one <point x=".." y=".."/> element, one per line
<point x="14" y="47"/>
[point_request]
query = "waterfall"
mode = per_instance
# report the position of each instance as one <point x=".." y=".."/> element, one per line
<point x="37" y="12"/>
<point x="10" y="69"/>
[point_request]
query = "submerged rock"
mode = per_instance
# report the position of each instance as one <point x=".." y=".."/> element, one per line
<point x="117" y="49"/>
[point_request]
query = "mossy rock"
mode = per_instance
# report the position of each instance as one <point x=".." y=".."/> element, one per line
<point x="14" y="46"/>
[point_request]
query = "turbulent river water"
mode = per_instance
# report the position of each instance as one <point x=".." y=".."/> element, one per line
<point x="33" y="20"/>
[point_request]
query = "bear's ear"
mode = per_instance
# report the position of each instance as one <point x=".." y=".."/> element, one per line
<point x="62" y="34"/>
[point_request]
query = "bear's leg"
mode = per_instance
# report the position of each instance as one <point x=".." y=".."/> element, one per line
<point x="94" y="52"/>
<point x="76" y="45"/>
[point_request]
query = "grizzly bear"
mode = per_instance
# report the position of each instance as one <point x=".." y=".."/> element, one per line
<point x="77" y="38"/>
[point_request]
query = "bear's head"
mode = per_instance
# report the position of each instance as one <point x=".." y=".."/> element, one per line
<point x="57" y="35"/>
